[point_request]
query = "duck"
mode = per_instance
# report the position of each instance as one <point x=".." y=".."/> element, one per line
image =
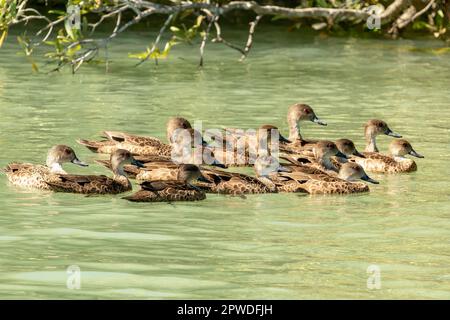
<point x="163" y="167"/>
<point x="98" y="184"/>
<point x="372" y="129"/>
<point x="217" y="181"/>
<point x="345" y="182"/>
<point x="233" y="183"/>
<point x="348" y="148"/>
<point x="394" y="163"/>
<point x="28" y="175"/>
<point x="141" y="145"/>
<point x="180" y="189"/>
<point x="298" y="113"/>
<point x="243" y="147"/>
<point x="317" y="158"/>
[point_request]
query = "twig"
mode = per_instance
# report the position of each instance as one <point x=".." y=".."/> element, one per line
<point x="421" y="12"/>
<point x="205" y="37"/>
<point x="249" y="44"/>
<point x="219" y="38"/>
<point x="158" y="38"/>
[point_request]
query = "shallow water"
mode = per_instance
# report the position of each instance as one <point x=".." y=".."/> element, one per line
<point x="269" y="246"/>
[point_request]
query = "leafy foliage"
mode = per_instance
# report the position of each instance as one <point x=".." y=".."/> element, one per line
<point x="66" y="45"/>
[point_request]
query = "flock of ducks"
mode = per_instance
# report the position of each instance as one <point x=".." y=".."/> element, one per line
<point x="307" y="166"/>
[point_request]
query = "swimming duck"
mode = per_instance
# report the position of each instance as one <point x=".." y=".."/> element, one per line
<point x="234" y="183"/>
<point x="394" y="163"/>
<point x="346" y="147"/>
<point x="140" y="145"/>
<point x="162" y="167"/>
<point x="34" y="176"/>
<point x="318" y="156"/>
<point x="242" y="148"/>
<point x="181" y="189"/>
<point x="317" y="183"/>
<point x="296" y="114"/>
<point x="92" y="184"/>
<point x="372" y="129"/>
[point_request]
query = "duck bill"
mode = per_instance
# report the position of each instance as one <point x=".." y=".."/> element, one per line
<point x="389" y="132"/>
<point x="319" y="121"/>
<point x="283" y="169"/>
<point x="341" y="155"/>
<point x="202" y="178"/>
<point x="79" y="163"/>
<point x="218" y="164"/>
<point x="415" y="154"/>
<point x="283" y="139"/>
<point x="358" y="154"/>
<point x="369" y="179"/>
<point x="137" y="163"/>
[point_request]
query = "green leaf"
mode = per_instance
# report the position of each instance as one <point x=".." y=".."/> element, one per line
<point x="3" y="37"/>
<point x="59" y="12"/>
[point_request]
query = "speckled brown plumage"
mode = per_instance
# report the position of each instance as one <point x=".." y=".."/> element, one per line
<point x="152" y="166"/>
<point x="317" y="183"/>
<point x="29" y="175"/>
<point x="380" y="163"/>
<point x="232" y="183"/>
<point x="166" y="191"/>
<point x="137" y="145"/>
<point x="86" y="184"/>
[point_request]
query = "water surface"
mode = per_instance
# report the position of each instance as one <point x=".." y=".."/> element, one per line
<point x="269" y="246"/>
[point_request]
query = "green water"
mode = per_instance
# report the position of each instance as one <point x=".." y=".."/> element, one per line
<point x="269" y="246"/>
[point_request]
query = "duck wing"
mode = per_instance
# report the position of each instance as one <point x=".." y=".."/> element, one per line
<point x="84" y="184"/>
<point x="16" y="167"/>
<point x="132" y="139"/>
<point x="160" y="185"/>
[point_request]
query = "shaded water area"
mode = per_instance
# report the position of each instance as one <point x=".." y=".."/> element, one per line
<point x="266" y="246"/>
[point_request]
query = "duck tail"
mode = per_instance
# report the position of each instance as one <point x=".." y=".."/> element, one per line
<point x="105" y="163"/>
<point x="91" y="145"/>
<point x="134" y="197"/>
<point x="11" y="167"/>
<point x="114" y="135"/>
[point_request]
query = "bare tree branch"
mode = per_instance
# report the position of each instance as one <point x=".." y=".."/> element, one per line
<point x="158" y="38"/>
<point x="249" y="44"/>
<point x="142" y="9"/>
<point x="205" y="37"/>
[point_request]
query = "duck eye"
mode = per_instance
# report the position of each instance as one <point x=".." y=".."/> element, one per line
<point x="306" y="111"/>
<point x="405" y="145"/>
<point x="380" y="125"/>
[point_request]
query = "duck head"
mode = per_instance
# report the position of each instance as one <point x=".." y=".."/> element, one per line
<point x="266" y="136"/>
<point x="297" y="113"/>
<point x="401" y="147"/>
<point x="60" y="154"/>
<point x="176" y="125"/>
<point x="374" y="128"/>
<point x="351" y="171"/>
<point x="348" y="148"/>
<point x="324" y="150"/>
<point x="121" y="157"/>
<point x="265" y="165"/>
<point x="189" y="173"/>
<point x="269" y="130"/>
